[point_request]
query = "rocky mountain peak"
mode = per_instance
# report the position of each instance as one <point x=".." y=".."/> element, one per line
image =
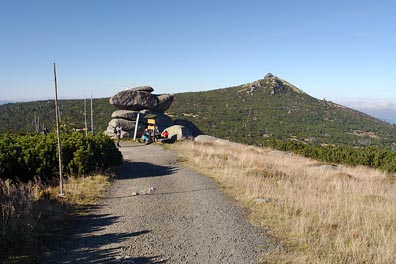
<point x="275" y="84"/>
<point x="278" y="85"/>
<point x="268" y="75"/>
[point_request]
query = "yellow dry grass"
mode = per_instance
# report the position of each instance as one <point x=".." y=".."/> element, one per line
<point x="320" y="214"/>
<point x="80" y="190"/>
<point x="28" y="211"/>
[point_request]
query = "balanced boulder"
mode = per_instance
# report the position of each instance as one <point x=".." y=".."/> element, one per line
<point x="134" y="100"/>
<point x="140" y="98"/>
<point x="139" y="101"/>
<point x="148" y="89"/>
<point x="164" y="102"/>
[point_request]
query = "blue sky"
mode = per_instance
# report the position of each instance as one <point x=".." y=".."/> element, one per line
<point x="339" y="50"/>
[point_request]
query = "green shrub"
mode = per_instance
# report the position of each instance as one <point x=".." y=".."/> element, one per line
<point x="369" y="156"/>
<point x="25" y="156"/>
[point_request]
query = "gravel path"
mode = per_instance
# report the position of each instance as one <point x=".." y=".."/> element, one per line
<point x="177" y="216"/>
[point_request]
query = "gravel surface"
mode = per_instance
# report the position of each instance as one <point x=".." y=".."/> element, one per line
<point x="159" y="212"/>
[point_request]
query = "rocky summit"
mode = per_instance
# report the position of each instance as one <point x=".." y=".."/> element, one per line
<point x="140" y="98"/>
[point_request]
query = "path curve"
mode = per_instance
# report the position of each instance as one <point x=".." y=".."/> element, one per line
<point x="159" y="212"/>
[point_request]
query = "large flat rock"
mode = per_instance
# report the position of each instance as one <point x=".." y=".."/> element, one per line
<point x="134" y="100"/>
<point x="140" y="98"/>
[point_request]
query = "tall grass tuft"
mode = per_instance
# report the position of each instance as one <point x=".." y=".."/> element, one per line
<point x="30" y="211"/>
<point x="20" y="215"/>
<point x="321" y="213"/>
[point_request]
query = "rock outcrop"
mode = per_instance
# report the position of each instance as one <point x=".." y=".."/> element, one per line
<point x="148" y="89"/>
<point x="127" y="125"/>
<point x="125" y="114"/>
<point x="139" y="98"/>
<point x="161" y="120"/>
<point x="205" y="139"/>
<point x="164" y="102"/>
<point x="278" y="85"/>
<point x="139" y="101"/>
<point x="178" y="132"/>
<point x="268" y="75"/>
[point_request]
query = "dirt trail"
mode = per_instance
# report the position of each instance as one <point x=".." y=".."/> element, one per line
<point x="178" y="216"/>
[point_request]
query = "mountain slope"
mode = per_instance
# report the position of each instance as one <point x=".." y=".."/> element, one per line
<point x="248" y="113"/>
<point x="272" y="107"/>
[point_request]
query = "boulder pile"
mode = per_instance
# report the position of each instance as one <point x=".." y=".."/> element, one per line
<point x="140" y="100"/>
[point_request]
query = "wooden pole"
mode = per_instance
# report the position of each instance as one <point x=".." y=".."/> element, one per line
<point x="85" y="116"/>
<point x="61" y="193"/>
<point x="92" y="125"/>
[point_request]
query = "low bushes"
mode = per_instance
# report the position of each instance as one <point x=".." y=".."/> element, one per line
<point x="23" y="157"/>
<point x="369" y="156"/>
<point x="28" y="201"/>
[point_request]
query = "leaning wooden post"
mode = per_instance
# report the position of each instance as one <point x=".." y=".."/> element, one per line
<point x="58" y="136"/>
<point x="92" y="118"/>
<point x="85" y="116"/>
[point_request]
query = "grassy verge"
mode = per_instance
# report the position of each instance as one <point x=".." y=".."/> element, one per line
<point x="31" y="212"/>
<point x="320" y="214"/>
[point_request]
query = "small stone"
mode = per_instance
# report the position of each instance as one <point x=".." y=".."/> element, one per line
<point x="263" y="200"/>
<point x="135" y="193"/>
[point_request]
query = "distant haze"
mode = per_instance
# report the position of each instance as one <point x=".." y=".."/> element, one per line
<point x="381" y="109"/>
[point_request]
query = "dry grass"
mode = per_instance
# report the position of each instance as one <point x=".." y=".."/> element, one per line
<point x="80" y="190"/>
<point x="29" y="211"/>
<point x="321" y="214"/>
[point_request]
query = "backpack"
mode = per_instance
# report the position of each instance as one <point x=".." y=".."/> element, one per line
<point x="115" y="130"/>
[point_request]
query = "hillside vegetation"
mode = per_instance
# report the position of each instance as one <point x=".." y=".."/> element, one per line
<point x="278" y="109"/>
<point x="23" y="117"/>
<point x="248" y="113"/>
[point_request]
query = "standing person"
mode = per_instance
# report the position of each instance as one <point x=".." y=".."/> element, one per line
<point x="118" y="134"/>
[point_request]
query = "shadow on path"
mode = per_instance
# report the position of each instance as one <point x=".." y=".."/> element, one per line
<point x="134" y="170"/>
<point x="89" y="236"/>
<point x="148" y="260"/>
<point x="75" y="241"/>
<point x="123" y="145"/>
